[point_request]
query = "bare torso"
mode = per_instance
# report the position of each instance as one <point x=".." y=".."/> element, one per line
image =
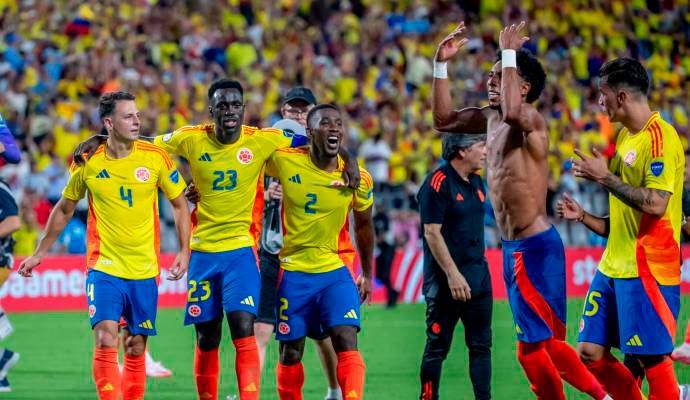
<point x="517" y="177"/>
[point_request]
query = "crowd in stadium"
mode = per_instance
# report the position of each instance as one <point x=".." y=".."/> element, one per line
<point x="373" y="58"/>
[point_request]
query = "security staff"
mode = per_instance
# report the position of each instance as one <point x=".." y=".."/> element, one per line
<point x="457" y="284"/>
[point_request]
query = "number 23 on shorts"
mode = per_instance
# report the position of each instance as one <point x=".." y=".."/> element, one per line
<point x="194" y="287"/>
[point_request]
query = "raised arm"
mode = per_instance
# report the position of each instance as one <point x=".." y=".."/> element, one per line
<point x="10" y="151"/>
<point x="445" y="117"/>
<point x="58" y="219"/>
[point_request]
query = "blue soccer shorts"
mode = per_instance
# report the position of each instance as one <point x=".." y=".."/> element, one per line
<point x="223" y="281"/>
<point x="310" y="304"/>
<point x="135" y="300"/>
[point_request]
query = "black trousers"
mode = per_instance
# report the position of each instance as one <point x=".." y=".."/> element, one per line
<point x="442" y="314"/>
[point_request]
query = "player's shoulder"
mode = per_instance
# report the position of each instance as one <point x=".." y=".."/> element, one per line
<point x="188" y="131"/>
<point x="292" y="151"/>
<point x="366" y="180"/>
<point x="253" y="131"/>
<point x="437" y="179"/>
<point x="153" y="152"/>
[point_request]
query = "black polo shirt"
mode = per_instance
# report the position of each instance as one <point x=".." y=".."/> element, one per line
<point x="458" y="205"/>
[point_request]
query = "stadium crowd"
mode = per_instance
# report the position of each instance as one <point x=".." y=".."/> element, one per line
<point x="373" y="58"/>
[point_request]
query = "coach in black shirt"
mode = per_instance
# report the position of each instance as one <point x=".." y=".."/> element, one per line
<point x="457" y="284"/>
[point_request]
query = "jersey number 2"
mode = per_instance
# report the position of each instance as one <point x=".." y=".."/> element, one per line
<point x="312" y="200"/>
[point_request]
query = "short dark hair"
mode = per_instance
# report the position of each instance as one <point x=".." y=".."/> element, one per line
<point x="320" y="107"/>
<point x="626" y="72"/>
<point x="530" y="69"/>
<point x="224" y="84"/>
<point x="107" y="102"/>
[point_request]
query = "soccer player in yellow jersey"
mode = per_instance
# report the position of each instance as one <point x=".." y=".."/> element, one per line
<point x="122" y="179"/>
<point x="227" y="161"/>
<point x="316" y="292"/>
<point x="634" y="298"/>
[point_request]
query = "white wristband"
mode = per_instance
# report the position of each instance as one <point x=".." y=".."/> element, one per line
<point x="508" y="58"/>
<point x="440" y="70"/>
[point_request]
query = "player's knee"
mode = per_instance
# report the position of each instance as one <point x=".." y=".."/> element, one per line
<point x="344" y="338"/>
<point x="291" y="352"/>
<point x="241" y="324"/>
<point x="135" y="346"/>
<point x="208" y="335"/>
<point x="105" y="337"/>
<point x="590" y="353"/>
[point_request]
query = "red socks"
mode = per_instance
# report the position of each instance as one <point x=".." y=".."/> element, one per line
<point x="290" y="381"/>
<point x="350" y="372"/>
<point x="687" y="333"/>
<point x="106" y="374"/>
<point x="540" y="370"/>
<point x="573" y="370"/>
<point x="134" y="377"/>
<point x="247" y="367"/>
<point x="662" y="381"/>
<point x="616" y="378"/>
<point x="206" y="370"/>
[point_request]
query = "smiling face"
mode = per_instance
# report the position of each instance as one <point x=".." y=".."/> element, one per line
<point x="124" y="122"/>
<point x="493" y="86"/>
<point x="326" y="131"/>
<point x="227" y="110"/>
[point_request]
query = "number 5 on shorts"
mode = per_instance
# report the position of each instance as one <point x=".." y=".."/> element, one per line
<point x="591" y="299"/>
<point x="193" y="286"/>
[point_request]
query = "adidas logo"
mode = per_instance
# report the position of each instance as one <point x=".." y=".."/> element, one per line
<point x="103" y="174"/>
<point x="517" y="328"/>
<point x="295" y="179"/>
<point x="107" y="388"/>
<point x="634" y="341"/>
<point x="351" y="314"/>
<point x="205" y="157"/>
<point x="249" y="388"/>
<point x="352" y="394"/>
<point x="146" y="324"/>
<point x="248" y="301"/>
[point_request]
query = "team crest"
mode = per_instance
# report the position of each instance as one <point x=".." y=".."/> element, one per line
<point x="142" y="174"/>
<point x="283" y="328"/>
<point x="657" y="167"/>
<point x="167" y="137"/>
<point x="194" y="310"/>
<point x="630" y="158"/>
<point x="245" y="156"/>
<point x="92" y="310"/>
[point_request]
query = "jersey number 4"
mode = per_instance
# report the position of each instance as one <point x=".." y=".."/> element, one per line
<point x="220" y="178"/>
<point x="126" y="196"/>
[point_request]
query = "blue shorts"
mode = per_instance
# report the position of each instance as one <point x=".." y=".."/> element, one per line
<point x="534" y="274"/>
<point x="620" y="313"/>
<point x="310" y="304"/>
<point x="224" y="281"/>
<point x="135" y="300"/>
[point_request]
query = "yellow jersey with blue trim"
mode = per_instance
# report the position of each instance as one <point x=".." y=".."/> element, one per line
<point x="316" y="209"/>
<point x="123" y="234"/>
<point x="228" y="177"/>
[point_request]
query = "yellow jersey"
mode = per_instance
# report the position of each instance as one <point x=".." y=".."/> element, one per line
<point x="315" y="214"/>
<point x="122" y="234"/>
<point x="638" y="242"/>
<point x="227" y="176"/>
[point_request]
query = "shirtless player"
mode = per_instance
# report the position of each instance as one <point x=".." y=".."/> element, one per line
<point x="533" y="254"/>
